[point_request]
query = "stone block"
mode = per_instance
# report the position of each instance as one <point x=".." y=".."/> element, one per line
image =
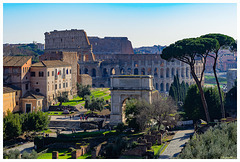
<point x="76" y="153"/>
<point x="55" y="155"/>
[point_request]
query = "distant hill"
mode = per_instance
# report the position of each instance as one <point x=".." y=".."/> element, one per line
<point x="156" y="49"/>
<point x="30" y="49"/>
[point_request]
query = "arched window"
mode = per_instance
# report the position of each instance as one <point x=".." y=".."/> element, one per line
<point x="156" y="86"/>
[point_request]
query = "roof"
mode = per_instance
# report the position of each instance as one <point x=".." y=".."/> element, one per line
<point x="10" y="88"/>
<point x="33" y="95"/>
<point x="15" y="60"/>
<point x="51" y="63"/>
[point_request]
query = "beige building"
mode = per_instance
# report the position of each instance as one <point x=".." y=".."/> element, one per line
<point x="32" y="102"/>
<point x="51" y="78"/>
<point x="16" y="71"/>
<point x="11" y="99"/>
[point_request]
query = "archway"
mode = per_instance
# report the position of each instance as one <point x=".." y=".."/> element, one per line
<point x="105" y="73"/>
<point x="167" y="87"/>
<point x="143" y="71"/>
<point x="112" y="72"/>
<point x="161" y="73"/>
<point x="129" y="71"/>
<point x="93" y="72"/>
<point x="167" y="73"/>
<point x="122" y="71"/>
<point x="173" y="72"/>
<point x="149" y="71"/>
<point x="156" y="72"/>
<point x="85" y="71"/>
<point x="136" y="71"/>
<point x="124" y="87"/>
<point x="161" y="87"/>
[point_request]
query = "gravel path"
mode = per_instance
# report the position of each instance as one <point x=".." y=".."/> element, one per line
<point x="176" y="144"/>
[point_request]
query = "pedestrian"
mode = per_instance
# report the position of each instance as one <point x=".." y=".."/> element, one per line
<point x="70" y="117"/>
<point x="80" y="117"/>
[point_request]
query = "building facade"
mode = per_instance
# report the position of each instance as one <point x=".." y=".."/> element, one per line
<point x="51" y="78"/>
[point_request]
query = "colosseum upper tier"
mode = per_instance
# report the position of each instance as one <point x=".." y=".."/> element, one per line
<point x="102" y="57"/>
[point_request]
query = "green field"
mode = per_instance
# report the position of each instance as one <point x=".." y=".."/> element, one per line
<point x="97" y="93"/>
<point x="62" y="154"/>
<point x="211" y="80"/>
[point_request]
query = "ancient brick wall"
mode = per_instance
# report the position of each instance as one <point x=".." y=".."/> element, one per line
<point x="111" y="45"/>
<point x="85" y="79"/>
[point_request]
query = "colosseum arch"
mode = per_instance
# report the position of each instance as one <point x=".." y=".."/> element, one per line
<point x="143" y="71"/>
<point x="167" y="87"/>
<point x="135" y="71"/>
<point x="149" y="71"/>
<point x="105" y="72"/>
<point x="112" y="71"/>
<point x="124" y="87"/>
<point x="129" y="71"/>
<point x="156" y="72"/>
<point x="167" y="73"/>
<point x="122" y="71"/>
<point x="94" y="73"/>
<point x="161" y="73"/>
<point x="161" y="87"/>
<point x="86" y="71"/>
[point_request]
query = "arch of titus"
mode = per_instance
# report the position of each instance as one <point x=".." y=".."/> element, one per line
<point x="124" y="87"/>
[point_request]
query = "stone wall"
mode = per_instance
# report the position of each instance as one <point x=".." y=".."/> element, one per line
<point x="111" y="45"/>
<point x="85" y="79"/>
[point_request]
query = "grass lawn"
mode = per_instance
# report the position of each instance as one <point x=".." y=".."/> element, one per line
<point x="97" y="93"/>
<point x="62" y="154"/>
<point x="211" y="80"/>
<point x="157" y="149"/>
<point x="55" y="112"/>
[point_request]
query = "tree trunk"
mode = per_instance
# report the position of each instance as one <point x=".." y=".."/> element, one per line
<point x="218" y="86"/>
<point x="204" y="102"/>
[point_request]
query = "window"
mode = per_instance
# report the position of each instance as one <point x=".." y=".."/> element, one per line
<point x="26" y="86"/>
<point x="60" y="86"/>
<point x="16" y="102"/>
<point x="37" y="90"/>
<point x="55" y="86"/>
<point x="66" y="84"/>
<point x="40" y="74"/>
<point x="32" y="74"/>
<point x="70" y="71"/>
<point x="38" y="103"/>
<point x="63" y="85"/>
<point x="48" y="73"/>
<point x="52" y="73"/>
<point x="36" y="82"/>
<point x="16" y="93"/>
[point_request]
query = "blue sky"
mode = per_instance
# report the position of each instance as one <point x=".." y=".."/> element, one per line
<point x="143" y="24"/>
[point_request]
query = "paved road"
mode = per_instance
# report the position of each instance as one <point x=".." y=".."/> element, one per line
<point x="25" y="147"/>
<point x="176" y="144"/>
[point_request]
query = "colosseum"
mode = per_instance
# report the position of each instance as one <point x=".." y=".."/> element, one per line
<point x="102" y="57"/>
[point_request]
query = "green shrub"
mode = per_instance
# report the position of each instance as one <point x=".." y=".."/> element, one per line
<point x="32" y="155"/>
<point x="215" y="143"/>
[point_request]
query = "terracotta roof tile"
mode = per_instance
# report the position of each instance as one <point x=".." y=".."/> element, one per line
<point x="51" y="63"/>
<point x="15" y="60"/>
